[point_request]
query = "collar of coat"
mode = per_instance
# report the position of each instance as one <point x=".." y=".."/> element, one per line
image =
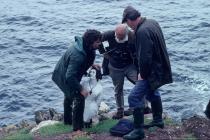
<point x="140" y="23"/>
<point x="79" y="44"/>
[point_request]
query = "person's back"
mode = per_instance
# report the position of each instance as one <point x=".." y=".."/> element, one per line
<point x="149" y="29"/>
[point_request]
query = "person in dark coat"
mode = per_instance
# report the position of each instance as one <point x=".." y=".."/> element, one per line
<point x="154" y="70"/>
<point x="121" y="63"/>
<point x="207" y="111"/>
<point x="68" y="73"/>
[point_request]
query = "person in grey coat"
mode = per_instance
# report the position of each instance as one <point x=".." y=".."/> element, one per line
<point x="154" y="70"/>
<point x="69" y="71"/>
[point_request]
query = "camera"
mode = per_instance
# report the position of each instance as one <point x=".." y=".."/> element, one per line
<point x="104" y="47"/>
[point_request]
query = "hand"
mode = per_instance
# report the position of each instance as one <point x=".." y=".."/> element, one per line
<point x="84" y="93"/>
<point x="106" y="56"/>
<point x="139" y="77"/>
<point x="96" y="66"/>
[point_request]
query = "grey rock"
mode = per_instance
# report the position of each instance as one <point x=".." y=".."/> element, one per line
<point x="42" y="115"/>
<point x="9" y="128"/>
<point x="50" y="114"/>
<point x="58" y="117"/>
<point x="24" y="124"/>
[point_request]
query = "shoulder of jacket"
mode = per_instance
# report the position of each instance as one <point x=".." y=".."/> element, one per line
<point x="75" y="53"/>
<point x="108" y="35"/>
<point x="150" y="22"/>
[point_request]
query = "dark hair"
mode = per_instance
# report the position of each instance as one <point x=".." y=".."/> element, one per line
<point x="90" y="36"/>
<point x="133" y="16"/>
<point x="130" y="13"/>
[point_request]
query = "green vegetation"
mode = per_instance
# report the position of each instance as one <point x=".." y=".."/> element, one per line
<point x="82" y="138"/>
<point x="19" y="135"/>
<point x="55" y="129"/>
<point x="152" y="129"/>
<point x="103" y="126"/>
<point x="190" y="137"/>
<point x="146" y="120"/>
<point x="169" y="121"/>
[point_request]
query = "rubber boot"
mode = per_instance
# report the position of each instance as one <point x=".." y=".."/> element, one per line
<point x="119" y="114"/>
<point x="78" y="111"/>
<point x="157" y="111"/>
<point x="67" y="111"/>
<point x="138" y="132"/>
<point x="128" y="112"/>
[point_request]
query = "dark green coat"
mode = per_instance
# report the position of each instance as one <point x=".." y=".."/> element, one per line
<point x="70" y="68"/>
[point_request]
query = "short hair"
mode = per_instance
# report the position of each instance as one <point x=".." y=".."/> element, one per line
<point x="130" y="13"/>
<point x="90" y="36"/>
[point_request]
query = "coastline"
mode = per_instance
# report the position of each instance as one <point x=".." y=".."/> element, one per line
<point x="195" y="127"/>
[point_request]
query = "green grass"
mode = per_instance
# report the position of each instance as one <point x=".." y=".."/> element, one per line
<point x="169" y="121"/>
<point x="55" y="129"/>
<point x="19" y="135"/>
<point x="60" y="128"/>
<point x="146" y="120"/>
<point x="103" y="126"/>
<point x="190" y="137"/>
<point x="82" y="138"/>
<point x="152" y="129"/>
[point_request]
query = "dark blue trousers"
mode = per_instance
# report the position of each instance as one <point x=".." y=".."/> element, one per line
<point x="141" y="89"/>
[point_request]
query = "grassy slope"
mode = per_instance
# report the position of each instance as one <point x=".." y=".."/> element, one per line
<point x="60" y="128"/>
<point x="22" y="134"/>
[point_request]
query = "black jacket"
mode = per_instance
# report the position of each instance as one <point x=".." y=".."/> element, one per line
<point x="122" y="54"/>
<point x="152" y="56"/>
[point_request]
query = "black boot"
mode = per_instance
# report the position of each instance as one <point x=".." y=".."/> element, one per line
<point x="157" y="111"/>
<point x="119" y="114"/>
<point x="68" y="111"/>
<point x="128" y="112"/>
<point x="207" y="111"/>
<point x="78" y="111"/>
<point x="138" y="132"/>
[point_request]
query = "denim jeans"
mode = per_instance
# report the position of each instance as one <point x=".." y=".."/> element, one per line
<point x="139" y="92"/>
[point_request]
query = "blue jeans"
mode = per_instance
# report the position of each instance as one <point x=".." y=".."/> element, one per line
<point x="141" y="90"/>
